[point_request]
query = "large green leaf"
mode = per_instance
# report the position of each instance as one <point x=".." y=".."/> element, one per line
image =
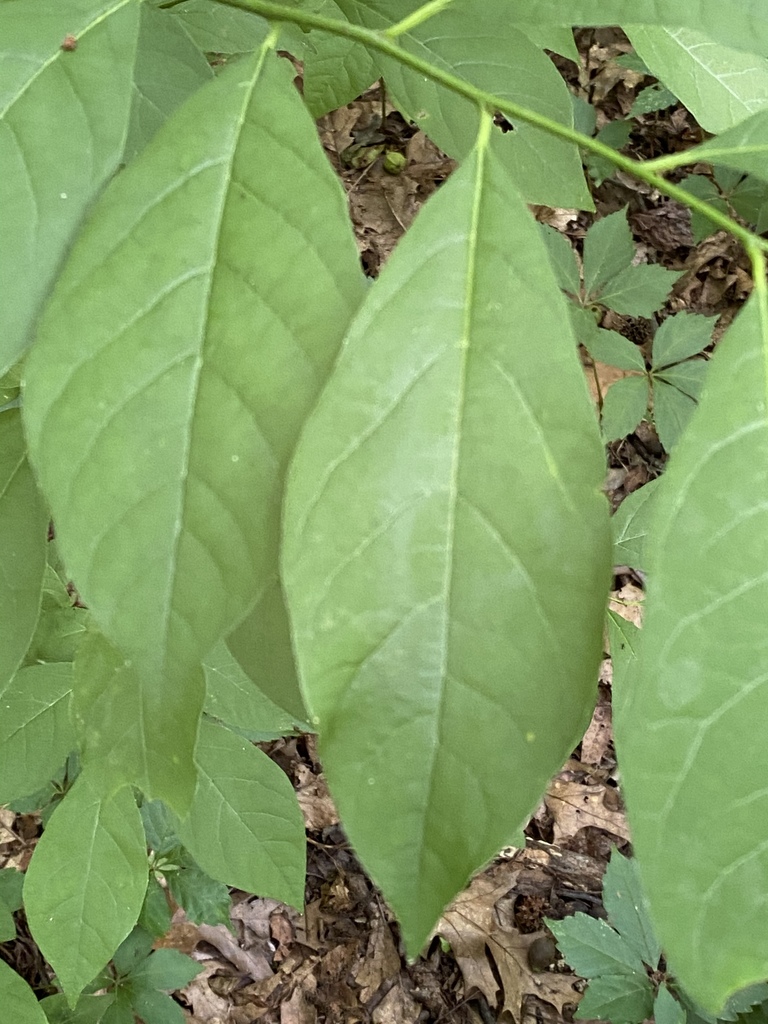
<point x="719" y="85"/>
<point x="689" y="736"/>
<point x="446" y="547"/>
<point x="743" y="147"/>
<point x="19" y="1001"/>
<point x="216" y="28"/>
<point x="169" y="68"/>
<point x="336" y="70"/>
<point x="172" y="372"/>
<point x="86" y="882"/>
<point x="23" y="528"/>
<point x="489" y="52"/>
<point x="63" y="121"/>
<point x="35" y="732"/>
<point x="244" y="826"/>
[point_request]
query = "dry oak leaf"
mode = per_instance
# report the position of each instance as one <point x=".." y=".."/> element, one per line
<point x="574" y="806"/>
<point x="476" y="933"/>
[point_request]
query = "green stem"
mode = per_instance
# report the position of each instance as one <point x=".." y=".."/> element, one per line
<point x="381" y="42"/>
<point x="416" y="18"/>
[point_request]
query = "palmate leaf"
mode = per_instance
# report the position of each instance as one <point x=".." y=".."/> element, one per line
<point x="719" y="85"/>
<point x="173" y="368"/>
<point x="688" y="734"/>
<point x="446" y="547"/>
<point x="54" y="165"/>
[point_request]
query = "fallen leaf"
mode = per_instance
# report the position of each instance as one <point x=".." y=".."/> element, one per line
<point x="574" y="806"/>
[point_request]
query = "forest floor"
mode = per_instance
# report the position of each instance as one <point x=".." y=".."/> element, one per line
<point x="341" y="961"/>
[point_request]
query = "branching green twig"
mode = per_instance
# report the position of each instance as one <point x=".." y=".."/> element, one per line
<point x="381" y="42"/>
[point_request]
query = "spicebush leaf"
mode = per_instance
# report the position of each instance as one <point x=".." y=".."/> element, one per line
<point x="672" y="410"/>
<point x="35" y="731"/>
<point x="23" y="529"/>
<point x="630" y="526"/>
<point x="700" y="684"/>
<point x="54" y="165"/>
<point x="19" y="1001"/>
<point x="165" y="392"/>
<point x="592" y="948"/>
<point x="626" y="906"/>
<point x="625" y="404"/>
<point x="216" y="28"/>
<point x="238" y="702"/>
<point x="679" y="337"/>
<point x="719" y="85"/>
<point x="619" y="998"/>
<point x="169" y="68"/>
<point x="244" y="827"/>
<point x="487" y="50"/>
<point x="438" y="605"/>
<point x="86" y="882"/>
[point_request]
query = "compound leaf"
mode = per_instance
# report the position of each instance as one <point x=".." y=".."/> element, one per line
<point x="618" y="998"/>
<point x="680" y="337"/>
<point x="592" y="948"/>
<point x="625" y="404"/>
<point x="172" y="371"/>
<point x="19" y="1001"/>
<point x="627" y="909"/>
<point x="630" y="526"/>
<point x="671" y="412"/>
<point x="244" y="827"/>
<point x="432" y="612"/>
<point x="86" y="882"/>
<point x="693" y="760"/>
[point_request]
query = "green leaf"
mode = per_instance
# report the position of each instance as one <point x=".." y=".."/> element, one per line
<point x="719" y="85"/>
<point x="86" y="882"/>
<point x="608" y="248"/>
<point x="563" y="259"/>
<point x="139" y="362"/>
<point x="11" y="885"/>
<point x="53" y="166"/>
<point x="492" y="54"/>
<point x="244" y="827"/>
<point x="35" y="732"/>
<point x="205" y="901"/>
<point x="61" y="624"/>
<point x="679" y="337"/>
<point x="132" y="951"/>
<point x="436" y="608"/>
<point x="615" y="350"/>
<point x="19" y="1002"/>
<point x="23" y="529"/>
<point x="619" y="998"/>
<point x="704" y="188"/>
<point x="165" y="969"/>
<point x="687" y="377"/>
<point x="7" y="923"/>
<point x="592" y="948"/>
<point x="155" y="916"/>
<point x="666" y="1009"/>
<point x="630" y="526"/>
<point x="89" y="1009"/>
<point x="624" y="641"/>
<point x="699" y="689"/>
<point x="215" y="28"/>
<point x="169" y="68"/>
<point x="672" y="410"/>
<point x="743" y="147"/>
<point x="160" y="826"/>
<point x="652" y="98"/>
<point x="614" y="134"/>
<point x="237" y="701"/>
<point x="627" y="908"/>
<point x="558" y="38"/>
<point x="639" y="290"/>
<point x="336" y="70"/>
<point x="156" y="1007"/>
<point x="625" y="404"/>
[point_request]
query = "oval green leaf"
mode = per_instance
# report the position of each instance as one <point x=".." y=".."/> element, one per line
<point x="689" y="732"/>
<point x="86" y="882"/>
<point x="19" y="1001"/>
<point x="446" y="546"/>
<point x="173" y="369"/>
